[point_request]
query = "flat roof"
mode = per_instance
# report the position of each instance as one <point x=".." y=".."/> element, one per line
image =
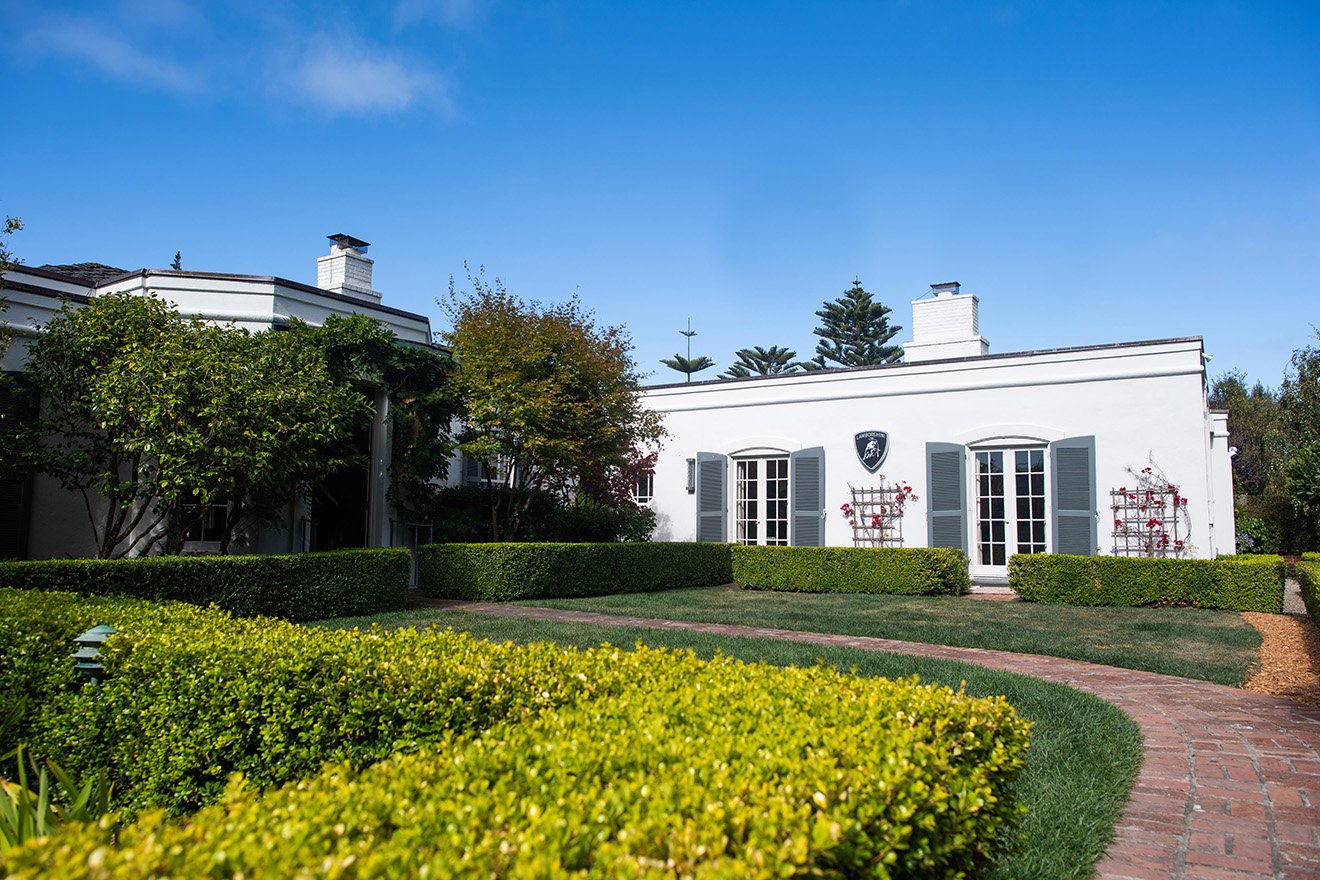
<point x="971" y="359"/>
<point x="219" y="276"/>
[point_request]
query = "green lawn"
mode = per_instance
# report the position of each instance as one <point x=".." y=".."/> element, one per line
<point x="1216" y="646"/>
<point x="1084" y="752"/>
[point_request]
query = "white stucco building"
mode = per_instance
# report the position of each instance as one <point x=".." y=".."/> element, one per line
<point x="39" y="520"/>
<point x="1006" y="453"/>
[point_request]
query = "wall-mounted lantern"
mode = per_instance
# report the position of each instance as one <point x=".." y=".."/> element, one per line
<point x="692" y="476"/>
<point x="87" y="659"/>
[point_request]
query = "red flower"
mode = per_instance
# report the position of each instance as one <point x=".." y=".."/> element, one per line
<point x="1152" y="523"/>
<point x="1118" y="523"/>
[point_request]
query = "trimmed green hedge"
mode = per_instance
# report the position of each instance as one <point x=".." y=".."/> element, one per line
<point x="1311" y="556"/>
<point x="192" y="695"/>
<point x="896" y="570"/>
<point x="1233" y="583"/>
<point x="603" y="763"/>
<point x="500" y="572"/>
<point x="1308" y="578"/>
<point x="302" y="586"/>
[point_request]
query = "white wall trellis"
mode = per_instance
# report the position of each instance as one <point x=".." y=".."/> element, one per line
<point x="876" y="513"/>
<point x="1150" y="518"/>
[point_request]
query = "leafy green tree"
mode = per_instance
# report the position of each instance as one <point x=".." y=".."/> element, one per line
<point x="422" y="403"/>
<point x="758" y="361"/>
<point x="68" y="442"/>
<point x="855" y="331"/>
<point x="546" y="393"/>
<point x="1299" y="396"/>
<point x="1255" y="420"/>
<point x="1299" y="404"/>
<point x="688" y="366"/>
<point x="151" y="416"/>
<point x="1304" y="481"/>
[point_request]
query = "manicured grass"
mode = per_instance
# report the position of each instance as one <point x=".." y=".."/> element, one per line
<point x="1084" y="752"/>
<point x="1216" y="646"/>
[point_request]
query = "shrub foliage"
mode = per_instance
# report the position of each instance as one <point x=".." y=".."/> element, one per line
<point x="1234" y="583"/>
<point x="301" y="586"/>
<point x="547" y="761"/>
<point x="894" y="570"/>
<point x="501" y="572"/>
<point x="1308" y="577"/>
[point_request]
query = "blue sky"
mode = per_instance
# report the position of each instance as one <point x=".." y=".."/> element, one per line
<point x="1094" y="172"/>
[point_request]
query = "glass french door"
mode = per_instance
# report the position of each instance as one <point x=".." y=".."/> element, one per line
<point x="761" y="505"/>
<point x="1010" y="508"/>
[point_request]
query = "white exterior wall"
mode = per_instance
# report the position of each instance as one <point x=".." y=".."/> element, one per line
<point x="1140" y="401"/>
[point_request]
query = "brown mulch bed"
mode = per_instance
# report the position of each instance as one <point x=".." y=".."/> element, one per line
<point x="1289" y="656"/>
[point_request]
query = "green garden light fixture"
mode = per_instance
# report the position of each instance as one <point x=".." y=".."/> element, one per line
<point x="87" y="659"/>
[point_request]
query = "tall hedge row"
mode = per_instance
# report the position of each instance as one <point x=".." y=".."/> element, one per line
<point x="546" y="761"/>
<point x="500" y="572"/>
<point x="896" y="570"/>
<point x="302" y="586"/>
<point x="1234" y="583"/>
<point x="1308" y="578"/>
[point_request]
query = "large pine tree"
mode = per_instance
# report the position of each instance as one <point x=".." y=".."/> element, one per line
<point x="854" y="331"/>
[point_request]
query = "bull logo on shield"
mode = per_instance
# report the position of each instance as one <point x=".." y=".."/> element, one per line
<point x="872" y="447"/>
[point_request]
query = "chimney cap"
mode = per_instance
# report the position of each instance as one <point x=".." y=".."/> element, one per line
<point x="348" y="241"/>
<point x="946" y="287"/>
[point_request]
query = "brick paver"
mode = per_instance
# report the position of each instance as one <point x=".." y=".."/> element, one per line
<point x="1230" y="785"/>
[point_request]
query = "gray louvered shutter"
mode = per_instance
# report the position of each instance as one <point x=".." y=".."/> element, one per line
<point x="471" y="471"/>
<point x="1073" y="495"/>
<point x="712" y="478"/>
<point x="807" y="474"/>
<point x="946" y="495"/>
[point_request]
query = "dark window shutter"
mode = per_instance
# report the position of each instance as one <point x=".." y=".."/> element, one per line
<point x="946" y="495"/>
<point x="1073" y="495"/>
<point x="471" y="471"/>
<point x="807" y="473"/>
<point x="712" y="479"/>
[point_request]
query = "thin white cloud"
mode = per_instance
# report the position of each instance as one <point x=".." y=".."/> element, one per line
<point x="84" y="40"/>
<point x="341" y="76"/>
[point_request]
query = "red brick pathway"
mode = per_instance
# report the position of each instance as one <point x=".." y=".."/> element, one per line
<point x="1230" y="785"/>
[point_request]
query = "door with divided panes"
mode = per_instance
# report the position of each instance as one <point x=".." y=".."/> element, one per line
<point x="1009" y="512"/>
<point x="760" y="511"/>
<point x="761" y="499"/>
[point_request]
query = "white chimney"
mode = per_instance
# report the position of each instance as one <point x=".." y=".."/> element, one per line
<point x="945" y="326"/>
<point x="345" y="270"/>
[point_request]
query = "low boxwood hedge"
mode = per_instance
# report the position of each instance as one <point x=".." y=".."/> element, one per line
<point x="663" y="765"/>
<point x="500" y="572"/>
<point x="1311" y="556"/>
<point x="1233" y="583"/>
<point x="192" y="695"/>
<point x="1308" y="578"/>
<point x="302" y="586"/>
<point x="896" y="570"/>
